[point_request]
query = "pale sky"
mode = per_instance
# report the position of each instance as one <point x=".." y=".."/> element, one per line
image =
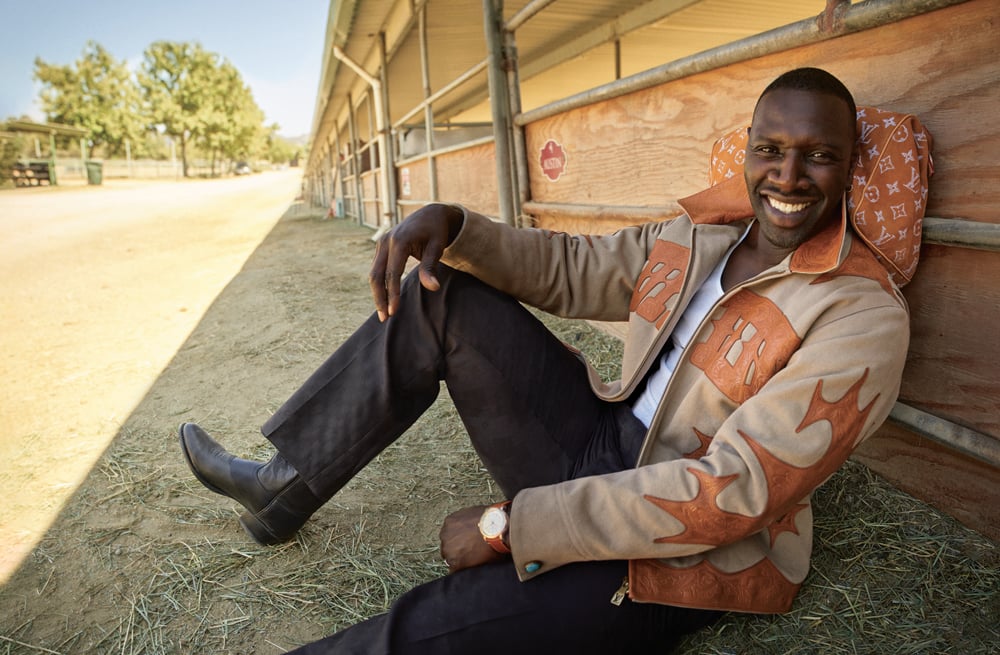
<point x="276" y="45"/>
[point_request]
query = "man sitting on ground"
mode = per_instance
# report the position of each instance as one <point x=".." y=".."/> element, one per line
<point x="763" y="347"/>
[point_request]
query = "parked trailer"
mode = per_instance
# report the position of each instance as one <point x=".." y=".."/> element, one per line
<point x="623" y="152"/>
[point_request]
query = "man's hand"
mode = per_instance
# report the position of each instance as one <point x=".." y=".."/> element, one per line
<point x="423" y="235"/>
<point x="462" y="546"/>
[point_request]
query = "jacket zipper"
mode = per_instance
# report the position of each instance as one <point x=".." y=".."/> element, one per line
<point x="619" y="596"/>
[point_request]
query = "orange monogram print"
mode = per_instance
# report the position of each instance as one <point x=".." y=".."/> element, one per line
<point x="660" y="282"/>
<point x="749" y="343"/>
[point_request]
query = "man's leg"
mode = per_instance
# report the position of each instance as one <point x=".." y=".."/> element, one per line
<point x="522" y="395"/>
<point x="487" y="610"/>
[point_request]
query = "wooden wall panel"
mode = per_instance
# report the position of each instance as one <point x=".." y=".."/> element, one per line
<point x="369" y="185"/>
<point x="954" y="359"/>
<point x="419" y="181"/>
<point x="652" y="146"/>
<point x="469" y="176"/>
<point x="965" y="488"/>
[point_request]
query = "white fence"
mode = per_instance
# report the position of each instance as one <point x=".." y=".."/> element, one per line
<point x="70" y="169"/>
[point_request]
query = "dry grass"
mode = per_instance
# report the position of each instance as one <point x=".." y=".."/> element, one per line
<point x="143" y="560"/>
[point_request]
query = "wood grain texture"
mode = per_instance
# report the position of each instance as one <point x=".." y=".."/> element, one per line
<point x="960" y="486"/>
<point x="652" y="146"/>
<point x="469" y="176"/>
<point x="954" y="355"/>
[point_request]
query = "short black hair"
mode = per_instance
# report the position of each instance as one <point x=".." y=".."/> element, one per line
<point x="812" y="79"/>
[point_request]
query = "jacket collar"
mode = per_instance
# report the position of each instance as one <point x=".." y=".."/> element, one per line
<point x="729" y="202"/>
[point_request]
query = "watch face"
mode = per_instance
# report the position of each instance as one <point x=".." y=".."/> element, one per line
<point x="493" y="522"/>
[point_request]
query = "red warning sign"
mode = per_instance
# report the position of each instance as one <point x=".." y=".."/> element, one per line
<point x="553" y="160"/>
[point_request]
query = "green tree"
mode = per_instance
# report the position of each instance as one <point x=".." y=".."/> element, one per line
<point x="96" y="93"/>
<point x="11" y="146"/>
<point x="174" y="80"/>
<point x="231" y="122"/>
<point x="277" y="149"/>
<point x="200" y="100"/>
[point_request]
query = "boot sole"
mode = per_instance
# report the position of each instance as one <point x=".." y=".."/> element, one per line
<point x="259" y="532"/>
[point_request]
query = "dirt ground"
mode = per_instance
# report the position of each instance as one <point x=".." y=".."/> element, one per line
<point x="131" y="308"/>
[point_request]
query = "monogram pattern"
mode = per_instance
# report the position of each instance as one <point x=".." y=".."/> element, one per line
<point x="888" y="194"/>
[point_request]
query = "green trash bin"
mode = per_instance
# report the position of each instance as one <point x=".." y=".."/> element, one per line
<point x="95" y="172"/>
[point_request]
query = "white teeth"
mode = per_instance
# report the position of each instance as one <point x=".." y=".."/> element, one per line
<point x="787" y="208"/>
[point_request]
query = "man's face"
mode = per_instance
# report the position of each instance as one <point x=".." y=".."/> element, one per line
<point x="798" y="161"/>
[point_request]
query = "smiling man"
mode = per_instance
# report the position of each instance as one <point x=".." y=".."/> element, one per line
<point x="765" y="343"/>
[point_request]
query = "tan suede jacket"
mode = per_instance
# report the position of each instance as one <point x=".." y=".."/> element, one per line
<point x="787" y="374"/>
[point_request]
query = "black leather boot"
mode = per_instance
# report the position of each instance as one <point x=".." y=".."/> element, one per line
<point x="277" y="500"/>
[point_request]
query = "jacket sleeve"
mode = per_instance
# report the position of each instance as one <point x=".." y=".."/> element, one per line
<point x="762" y="461"/>
<point x="571" y="276"/>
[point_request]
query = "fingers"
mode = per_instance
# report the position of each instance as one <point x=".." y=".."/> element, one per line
<point x="376" y="279"/>
<point x="386" y="274"/>
<point x="424" y="235"/>
<point x="428" y="264"/>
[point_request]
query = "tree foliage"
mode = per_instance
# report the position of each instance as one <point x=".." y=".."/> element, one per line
<point x="11" y="146"/>
<point x="96" y="93"/>
<point x="197" y="97"/>
<point x="189" y="94"/>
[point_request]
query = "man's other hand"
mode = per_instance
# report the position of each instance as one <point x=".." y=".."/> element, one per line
<point x="462" y="546"/>
<point x="423" y="235"/>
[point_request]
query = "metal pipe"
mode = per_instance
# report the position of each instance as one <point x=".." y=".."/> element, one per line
<point x="444" y="151"/>
<point x="359" y="197"/>
<point x="605" y="212"/>
<point x="961" y="233"/>
<point x="526" y="13"/>
<point x="447" y="125"/>
<point x="376" y="88"/>
<point x="519" y="163"/>
<point x="856" y="18"/>
<point x="499" y="106"/>
<point x="340" y="169"/>
<point x="445" y="90"/>
<point x="389" y="162"/>
<point x="970" y="442"/>
<point x="373" y="154"/>
<point x="425" y="72"/>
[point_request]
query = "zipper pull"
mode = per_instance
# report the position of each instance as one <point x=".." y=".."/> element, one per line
<point x="619" y="596"/>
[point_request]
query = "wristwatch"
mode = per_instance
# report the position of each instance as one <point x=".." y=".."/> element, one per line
<point x="493" y="526"/>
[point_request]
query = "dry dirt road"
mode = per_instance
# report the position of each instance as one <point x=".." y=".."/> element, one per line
<point x="100" y="286"/>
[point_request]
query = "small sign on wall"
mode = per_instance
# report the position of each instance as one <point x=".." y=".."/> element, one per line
<point x="404" y="180"/>
<point x="552" y="160"/>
